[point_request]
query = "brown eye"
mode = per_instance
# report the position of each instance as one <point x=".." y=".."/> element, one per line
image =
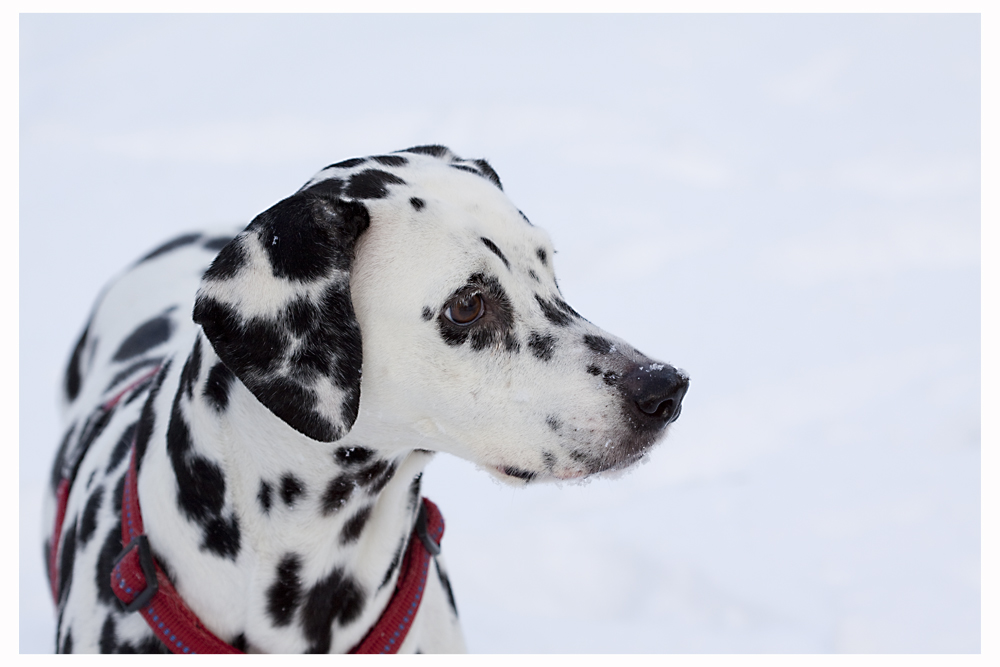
<point x="465" y="310"/>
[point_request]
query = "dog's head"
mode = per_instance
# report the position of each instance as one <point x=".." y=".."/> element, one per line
<point x="419" y="260"/>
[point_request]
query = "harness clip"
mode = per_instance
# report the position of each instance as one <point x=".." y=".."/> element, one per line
<point x="118" y="581"/>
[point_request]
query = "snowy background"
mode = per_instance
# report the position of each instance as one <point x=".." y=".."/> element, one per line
<point x="787" y="207"/>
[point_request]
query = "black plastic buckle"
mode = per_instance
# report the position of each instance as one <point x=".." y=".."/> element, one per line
<point x="148" y="571"/>
<point x="433" y="548"/>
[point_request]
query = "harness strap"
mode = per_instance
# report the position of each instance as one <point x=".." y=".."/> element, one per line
<point x="62" y="489"/>
<point x="142" y="586"/>
<point x="394" y="624"/>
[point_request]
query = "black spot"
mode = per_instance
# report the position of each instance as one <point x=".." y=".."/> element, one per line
<point x="149" y="334"/>
<point x="534" y="276"/>
<point x="70" y="459"/>
<point x="131" y="370"/>
<point x="435" y="150"/>
<point x="291" y="489"/>
<point x="47" y="558"/>
<point x="510" y="342"/>
<point x="597" y="344"/>
<point x="122" y="447"/>
<point x="373" y="474"/>
<point x="471" y="170"/>
<point x="594" y="370"/>
<point x="446" y="585"/>
<point x="416" y="203"/>
<point x="67" y="646"/>
<point x="371" y="184"/>
<point x="552" y="313"/>
<point x="264" y="497"/>
<point x="352" y="455"/>
<point x="488" y="172"/>
<point x="116" y="495"/>
<point x="216" y="243"/>
<point x="201" y="485"/>
<point x="550" y="460"/>
<point x="414" y="491"/>
<point x="90" y="478"/>
<point x="239" y="642"/>
<point x="542" y="345"/>
<point x="74" y="374"/>
<point x="337" y="492"/>
<point x="109" y="551"/>
<point x="391" y="160"/>
<point x="396" y="557"/>
<point x="543" y="256"/>
<point x="336" y="598"/>
<point x="526" y="475"/>
<point x="525" y="218"/>
<point x="284" y="595"/>
<point x="93" y="428"/>
<point x="108" y="642"/>
<point x="346" y="164"/>
<point x="189" y="374"/>
<point x="217" y="386"/>
<point x="383" y="479"/>
<point x="88" y="521"/>
<point x="67" y="558"/>
<point x="222" y="537"/>
<point x="138" y="391"/>
<point x="147" y="417"/>
<point x="352" y="529"/>
<point x="229" y="261"/>
<point x="565" y="307"/>
<point x="427" y="314"/>
<point x="329" y="188"/>
<point x="59" y="465"/>
<point x="553" y="423"/>
<point x="178" y="242"/>
<point x="495" y="250"/>
<point x="611" y="378"/>
<point x="201" y="488"/>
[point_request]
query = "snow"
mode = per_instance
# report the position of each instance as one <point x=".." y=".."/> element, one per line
<point x="786" y="207"/>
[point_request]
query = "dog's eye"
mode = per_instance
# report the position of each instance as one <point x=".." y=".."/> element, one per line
<point x="465" y="310"/>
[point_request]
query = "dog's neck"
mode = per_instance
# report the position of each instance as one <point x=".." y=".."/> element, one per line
<point x="304" y="537"/>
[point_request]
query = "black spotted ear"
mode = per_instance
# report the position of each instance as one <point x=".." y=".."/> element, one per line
<point x="276" y="306"/>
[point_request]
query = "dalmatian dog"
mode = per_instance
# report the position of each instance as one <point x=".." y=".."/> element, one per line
<point x="263" y="405"/>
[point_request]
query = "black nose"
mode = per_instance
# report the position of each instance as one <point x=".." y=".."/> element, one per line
<point x="656" y="390"/>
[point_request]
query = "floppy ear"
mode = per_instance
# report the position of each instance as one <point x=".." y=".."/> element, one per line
<point x="276" y="306"/>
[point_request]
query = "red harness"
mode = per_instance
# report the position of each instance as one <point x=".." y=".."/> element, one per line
<point x="141" y="585"/>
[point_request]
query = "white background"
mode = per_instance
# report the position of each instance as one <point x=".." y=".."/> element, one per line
<point x="787" y="207"/>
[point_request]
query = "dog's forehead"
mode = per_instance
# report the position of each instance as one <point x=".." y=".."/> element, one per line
<point x="462" y="202"/>
<point x="422" y="193"/>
